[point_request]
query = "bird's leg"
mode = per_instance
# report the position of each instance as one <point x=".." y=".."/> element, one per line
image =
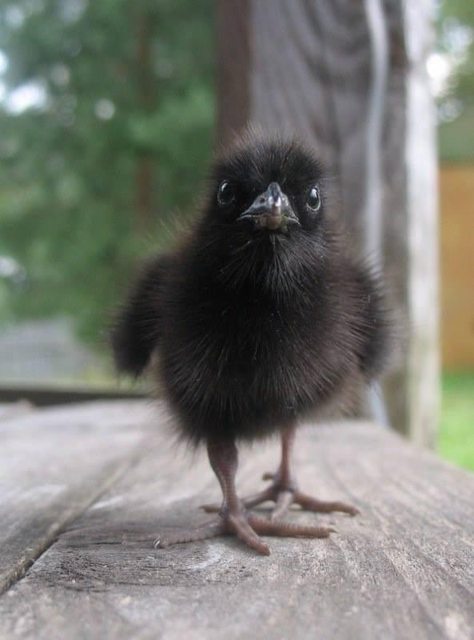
<point x="284" y="490"/>
<point x="233" y="517"/>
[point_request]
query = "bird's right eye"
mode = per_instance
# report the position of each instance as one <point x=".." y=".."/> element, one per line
<point x="225" y="194"/>
<point x="314" y="199"/>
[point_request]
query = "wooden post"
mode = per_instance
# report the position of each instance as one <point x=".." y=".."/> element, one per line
<point x="422" y="366"/>
<point x="350" y="77"/>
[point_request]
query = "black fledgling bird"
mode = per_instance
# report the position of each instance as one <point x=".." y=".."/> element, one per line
<point x="260" y="318"/>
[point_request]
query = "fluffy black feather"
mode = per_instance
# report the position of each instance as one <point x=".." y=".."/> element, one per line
<point x="137" y="327"/>
<point x="256" y="327"/>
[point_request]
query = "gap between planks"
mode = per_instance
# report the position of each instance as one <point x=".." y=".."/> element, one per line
<point x="113" y="474"/>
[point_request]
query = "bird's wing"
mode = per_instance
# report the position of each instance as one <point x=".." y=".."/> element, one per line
<point x="373" y="325"/>
<point x="137" y="326"/>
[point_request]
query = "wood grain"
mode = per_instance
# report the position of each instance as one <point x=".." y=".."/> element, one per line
<point x="421" y="274"/>
<point x="53" y="464"/>
<point x="233" y="68"/>
<point x="404" y="568"/>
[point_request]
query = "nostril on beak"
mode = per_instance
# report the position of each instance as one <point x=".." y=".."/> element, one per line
<point x="275" y="202"/>
<point x="274" y="196"/>
<point x="270" y="210"/>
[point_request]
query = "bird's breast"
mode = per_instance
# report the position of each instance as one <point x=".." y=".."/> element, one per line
<point x="246" y="362"/>
<point x="241" y="345"/>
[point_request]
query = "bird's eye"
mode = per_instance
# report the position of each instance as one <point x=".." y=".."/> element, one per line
<point x="314" y="199"/>
<point x="225" y="194"/>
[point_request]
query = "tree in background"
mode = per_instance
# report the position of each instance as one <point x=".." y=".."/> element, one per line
<point x="106" y="124"/>
<point x="452" y="68"/>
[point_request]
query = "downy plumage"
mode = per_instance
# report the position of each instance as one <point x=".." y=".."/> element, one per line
<point x="262" y="315"/>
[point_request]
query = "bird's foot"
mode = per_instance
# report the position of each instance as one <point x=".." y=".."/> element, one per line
<point x="284" y="494"/>
<point x="247" y="527"/>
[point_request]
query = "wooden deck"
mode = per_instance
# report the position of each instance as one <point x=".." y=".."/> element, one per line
<point x="85" y="489"/>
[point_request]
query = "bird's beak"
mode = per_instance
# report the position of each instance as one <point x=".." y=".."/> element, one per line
<point x="270" y="210"/>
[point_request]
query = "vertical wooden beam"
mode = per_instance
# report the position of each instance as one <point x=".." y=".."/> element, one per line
<point x="309" y="67"/>
<point x="422" y="203"/>
<point x="233" y="68"/>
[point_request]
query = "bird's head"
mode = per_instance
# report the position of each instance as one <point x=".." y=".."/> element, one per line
<point x="267" y="187"/>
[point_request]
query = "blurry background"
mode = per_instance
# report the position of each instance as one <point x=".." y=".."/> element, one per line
<point x="107" y="124"/>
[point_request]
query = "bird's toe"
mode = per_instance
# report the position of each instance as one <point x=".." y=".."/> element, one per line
<point x="308" y="503"/>
<point x="210" y="508"/>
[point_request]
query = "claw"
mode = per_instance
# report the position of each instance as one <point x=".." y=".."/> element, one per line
<point x="313" y="504"/>
<point x="210" y="508"/>
<point x="240" y="525"/>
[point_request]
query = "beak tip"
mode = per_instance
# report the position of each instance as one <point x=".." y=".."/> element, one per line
<point x="270" y="210"/>
<point x="275" y="209"/>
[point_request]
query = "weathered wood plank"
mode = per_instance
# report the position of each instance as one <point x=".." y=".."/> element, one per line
<point x="404" y="568"/>
<point x="9" y="410"/>
<point x="53" y="464"/>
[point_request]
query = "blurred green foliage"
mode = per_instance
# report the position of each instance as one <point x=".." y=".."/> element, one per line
<point x="115" y="141"/>
<point x="455" y="43"/>
<point x="456" y="442"/>
<point x="456" y="37"/>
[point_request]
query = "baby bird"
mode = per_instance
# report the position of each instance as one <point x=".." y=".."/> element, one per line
<point x="261" y="318"/>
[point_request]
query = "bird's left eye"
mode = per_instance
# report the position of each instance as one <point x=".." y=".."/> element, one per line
<point x="225" y="194"/>
<point x="314" y="199"/>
